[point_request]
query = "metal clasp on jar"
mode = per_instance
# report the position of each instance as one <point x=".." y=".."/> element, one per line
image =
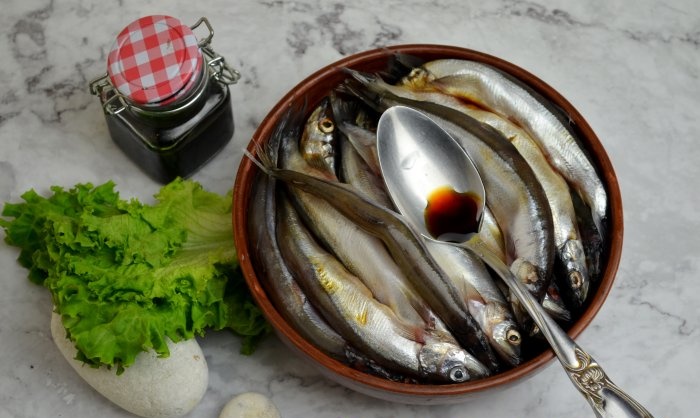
<point x="113" y="102"/>
<point x="220" y="70"/>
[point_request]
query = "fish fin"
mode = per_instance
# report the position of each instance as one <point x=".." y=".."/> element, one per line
<point x="317" y="164"/>
<point x="419" y="335"/>
<point x="473" y="296"/>
<point x="408" y="331"/>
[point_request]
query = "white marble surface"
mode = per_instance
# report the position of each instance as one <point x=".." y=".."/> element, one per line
<point x="632" y="68"/>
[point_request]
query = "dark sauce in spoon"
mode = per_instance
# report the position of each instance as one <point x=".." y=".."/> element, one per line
<point x="451" y="215"/>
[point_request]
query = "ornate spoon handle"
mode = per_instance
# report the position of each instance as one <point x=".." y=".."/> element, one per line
<point x="606" y="398"/>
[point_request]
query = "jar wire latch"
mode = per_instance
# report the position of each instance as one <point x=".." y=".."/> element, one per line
<point x="222" y="72"/>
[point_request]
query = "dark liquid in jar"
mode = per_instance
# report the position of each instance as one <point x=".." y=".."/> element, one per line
<point x="451" y="215"/>
<point x="180" y="146"/>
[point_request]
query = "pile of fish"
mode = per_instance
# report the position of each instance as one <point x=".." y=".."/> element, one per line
<point x="357" y="281"/>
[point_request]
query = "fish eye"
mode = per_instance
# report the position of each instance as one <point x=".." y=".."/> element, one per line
<point x="513" y="337"/>
<point x="326" y="125"/>
<point x="458" y="374"/>
<point x="576" y="280"/>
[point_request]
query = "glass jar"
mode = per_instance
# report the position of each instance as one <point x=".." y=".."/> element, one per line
<point x="165" y="96"/>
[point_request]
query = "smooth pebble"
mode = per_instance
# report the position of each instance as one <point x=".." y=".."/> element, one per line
<point x="250" y="405"/>
<point x="152" y="387"/>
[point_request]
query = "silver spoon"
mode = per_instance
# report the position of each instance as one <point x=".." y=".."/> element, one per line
<point x="418" y="157"/>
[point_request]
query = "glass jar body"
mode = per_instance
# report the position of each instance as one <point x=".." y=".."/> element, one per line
<point x="179" y="144"/>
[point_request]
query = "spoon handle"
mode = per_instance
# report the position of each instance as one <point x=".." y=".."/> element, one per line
<point x="605" y="397"/>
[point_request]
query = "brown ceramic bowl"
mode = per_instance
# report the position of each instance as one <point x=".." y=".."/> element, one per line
<point x="312" y="90"/>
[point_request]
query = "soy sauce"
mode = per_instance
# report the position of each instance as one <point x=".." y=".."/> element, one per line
<point x="172" y="122"/>
<point x="451" y="215"/>
<point x="184" y="144"/>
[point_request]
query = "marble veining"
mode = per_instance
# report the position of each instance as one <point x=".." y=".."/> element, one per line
<point x="632" y="68"/>
<point x="332" y="25"/>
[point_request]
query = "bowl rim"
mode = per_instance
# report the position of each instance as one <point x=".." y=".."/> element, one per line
<point x="247" y="171"/>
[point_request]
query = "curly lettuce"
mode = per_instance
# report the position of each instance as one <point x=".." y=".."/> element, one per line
<point x="124" y="275"/>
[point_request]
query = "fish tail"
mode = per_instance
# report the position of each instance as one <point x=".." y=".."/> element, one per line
<point x="265" y="157"/>
<point x="362" y="77"/>
<point x="258" y="162"/>
<point x="344" y="111"/>
<point x="400" y="65"/>
<point x="266" y="153"/>
<point x="359" y="88"/>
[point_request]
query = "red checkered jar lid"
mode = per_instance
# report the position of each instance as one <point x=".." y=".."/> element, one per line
<point x="155" y="60"/>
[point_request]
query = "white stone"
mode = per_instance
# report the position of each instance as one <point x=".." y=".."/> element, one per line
<point x="152" y="387"/>
<point x="250" y="405"/>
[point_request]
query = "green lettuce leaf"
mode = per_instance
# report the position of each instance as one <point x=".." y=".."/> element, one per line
<point x="124" y="275"/>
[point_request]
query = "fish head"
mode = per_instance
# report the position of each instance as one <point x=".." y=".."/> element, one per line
<point x="577" y="278"/>
<point x="317" y="144"/>
<point x="448" y="362"/>
<point x="507" y="340"/>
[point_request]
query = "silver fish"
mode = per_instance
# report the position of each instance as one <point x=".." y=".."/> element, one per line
<point x="281" y="286"/>
<point x="405" y="246"/>
<point x="483" y="297"/>
<point x="289" y="299"/>
<point x="360" y="318"/>
<point x="502" y="94"/>
<point x="317" y="138"/>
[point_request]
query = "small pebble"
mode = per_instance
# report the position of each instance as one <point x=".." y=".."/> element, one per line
<point x="250" y="405"/>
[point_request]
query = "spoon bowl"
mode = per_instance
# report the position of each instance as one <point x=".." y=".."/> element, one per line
<point x="415" y="148"/>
